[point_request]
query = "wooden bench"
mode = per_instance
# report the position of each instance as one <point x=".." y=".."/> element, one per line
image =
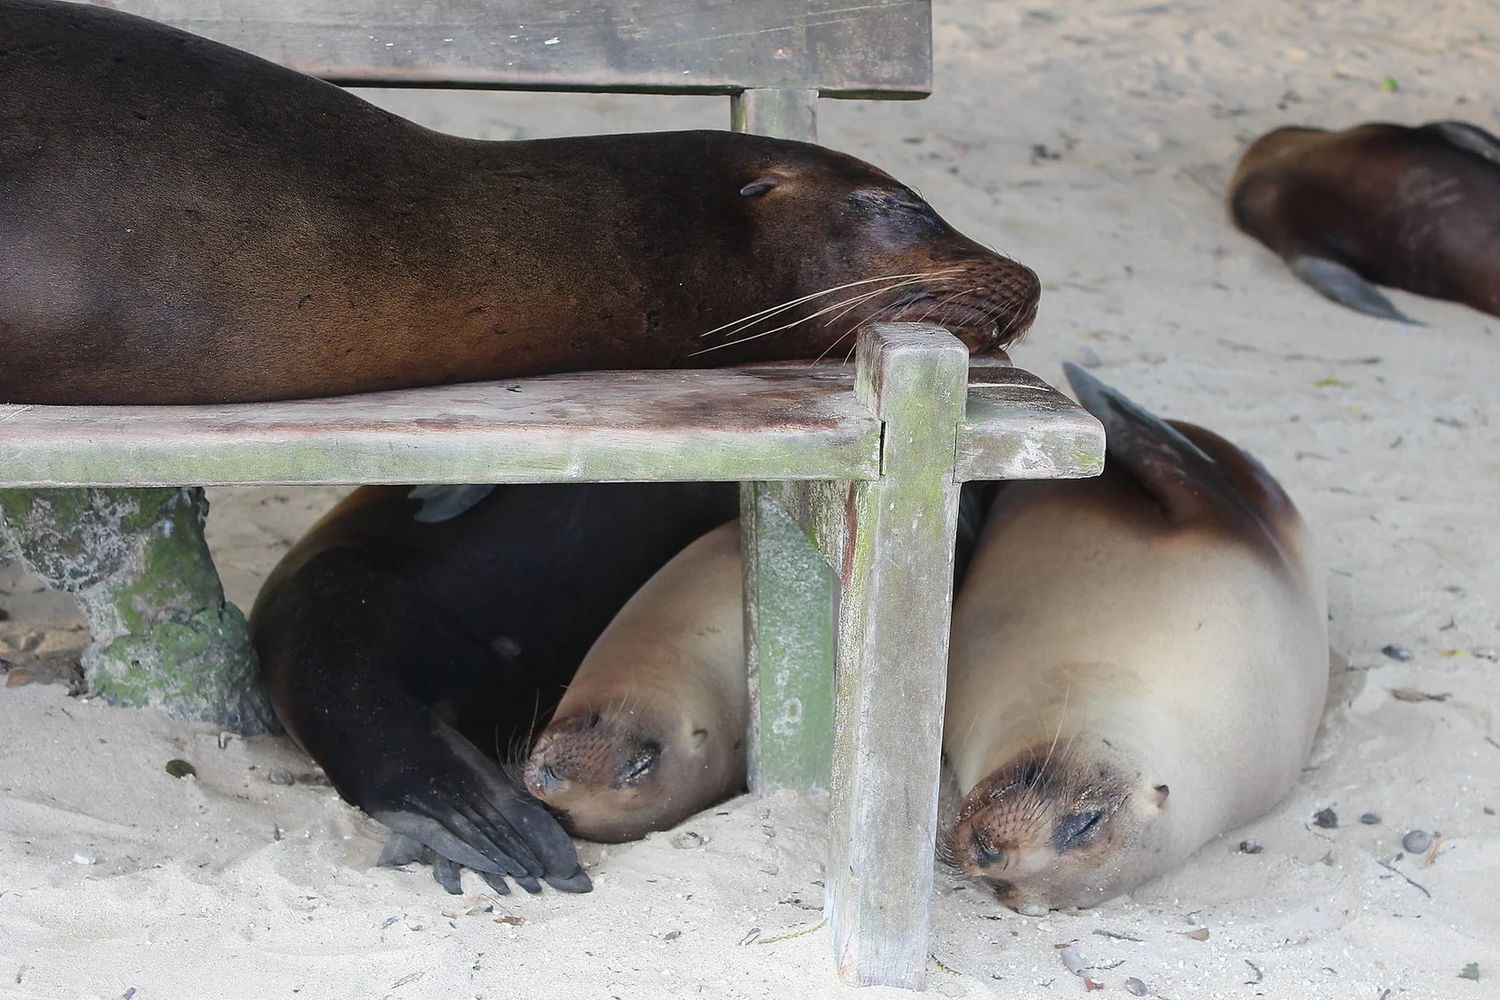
<point x="847" y="636"/>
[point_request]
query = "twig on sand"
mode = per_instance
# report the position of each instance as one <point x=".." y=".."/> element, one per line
<point x="1392" y="868"/>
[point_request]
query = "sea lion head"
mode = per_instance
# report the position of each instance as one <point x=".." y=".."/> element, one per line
<point x="1058" y="829"/>
<point x="843" y="244"/>
<point x="618" y="772"/>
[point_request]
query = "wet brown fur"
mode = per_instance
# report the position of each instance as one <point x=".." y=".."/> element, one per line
<point x="1403" y="207"/>
<point x="182" y="222"/>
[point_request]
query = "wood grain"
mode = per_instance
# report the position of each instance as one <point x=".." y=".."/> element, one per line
<point x="876" y="48"/>
<point x="721" y="424"/>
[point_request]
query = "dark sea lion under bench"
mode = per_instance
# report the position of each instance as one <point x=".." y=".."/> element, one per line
<point x="184" y="222"/>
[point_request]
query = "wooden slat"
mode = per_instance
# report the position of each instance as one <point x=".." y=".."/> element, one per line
<point x="722" y="424"/>
<point x="1018" y="427"/>
<point x="842" y="49"/>
<point x="894" y="604"/>
<point x="789" y="637"/>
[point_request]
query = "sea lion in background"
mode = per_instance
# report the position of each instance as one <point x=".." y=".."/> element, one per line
<point x="652" y="727"/>
<point x="183" y="222"/>
<point x="1138" y="663"/>
<point x="412" y="640"/>
<point x="1410" y="208"/>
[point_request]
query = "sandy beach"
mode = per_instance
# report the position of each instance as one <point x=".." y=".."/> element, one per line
<point x="1091" y="140"/>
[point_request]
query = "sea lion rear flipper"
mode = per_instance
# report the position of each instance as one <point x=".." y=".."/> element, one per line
<point x="1163" y="460"/>
<point x="1469" y="138"/>
<point x="1341" y="284"/>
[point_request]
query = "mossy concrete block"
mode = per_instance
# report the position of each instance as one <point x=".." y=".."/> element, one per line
<point x="138" y="565"/>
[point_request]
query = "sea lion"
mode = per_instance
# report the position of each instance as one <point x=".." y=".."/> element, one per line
<point x="1138" y="663"/>
<point x="652" y="727"/>
<point x="183" y="222"/>
<point x="413" y="640"/>
<point x="1410" y="208"/>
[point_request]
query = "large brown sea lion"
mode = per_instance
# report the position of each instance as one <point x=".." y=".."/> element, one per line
<point x="1138" y="663"/>
<point x="1410" y="208"/>
<point x="182" y="222"/>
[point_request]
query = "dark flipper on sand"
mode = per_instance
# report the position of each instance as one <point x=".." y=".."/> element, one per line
<point x="1341" y="284"/>
<point x="332" y="643"/>
<point x="1469" y="138"/>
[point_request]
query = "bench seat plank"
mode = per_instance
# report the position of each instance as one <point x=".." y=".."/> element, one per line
<point x="721" y="424"/>
<point x="879" y="47"/>
<point x="768" y="422"/>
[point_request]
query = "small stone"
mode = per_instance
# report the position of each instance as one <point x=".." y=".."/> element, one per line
<point x="1250" y="847"/>
<point x="281" y="776"/>
<point x="1471" y="971"/>
<point x="1417" y="841"/>
<point x="1197" y="934"/>
<point x="1487" y="653"/>
<point x="687" y="840"/>
<point x="179" y="768"/>
<point x="1326" y="819"/>
<point x="1370" y="819"/>
<point x="1396" y="651"/>
<point x="1135" y="987"/>
<point x="671" y="935"/>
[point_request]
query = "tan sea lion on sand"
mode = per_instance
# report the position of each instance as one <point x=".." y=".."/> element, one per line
<point x="652" y="727"/>
<point x="1138" y="663"/>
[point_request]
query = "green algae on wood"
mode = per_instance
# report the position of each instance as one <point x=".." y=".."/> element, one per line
<point x="138" y="566"/>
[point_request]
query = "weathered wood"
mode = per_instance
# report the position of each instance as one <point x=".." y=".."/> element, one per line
<point x="1018" y="427"/>
<point x="895" y="600"/>
<point x="789" y="633"/>
<point x="723" y="424"/>
<point x="781" y="114"/>
<point x="789" y="613"/>
<point x="161" y="632"/>
<point x="877" y="48"/>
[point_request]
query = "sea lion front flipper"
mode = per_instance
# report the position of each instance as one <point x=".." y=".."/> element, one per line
<point x="1469" y="138"/>
<point x="444" y="503"/>
<point x="475" y="816"/>
<point x="1341" y="284"/>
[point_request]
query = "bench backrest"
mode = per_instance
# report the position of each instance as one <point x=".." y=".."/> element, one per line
<point x="873" y="49"/>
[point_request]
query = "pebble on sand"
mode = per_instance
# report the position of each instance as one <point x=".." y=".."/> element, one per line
<point x="1417" y="841"/>
<point x="1327" y="819"/>
<point x="1370" y="819"/>
<point x="1251" y="847"/>
<point x="1396" y="651"/>
<point x="179" y="768"/>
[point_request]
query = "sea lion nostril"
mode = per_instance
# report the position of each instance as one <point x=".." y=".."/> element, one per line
<point x="1076" y="829"/>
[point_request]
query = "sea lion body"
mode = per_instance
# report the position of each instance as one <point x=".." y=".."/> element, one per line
<point x="183" y="222"/>
<point x="1138" y="663"/>
<point x="413" y="641"/>
<point x="1410" y="208"/>
<point x="652" y="727"/>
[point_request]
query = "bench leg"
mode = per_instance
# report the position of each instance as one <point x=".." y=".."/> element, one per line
<point x="892" y="657"/>
<point x="788" y="647"/>
<point x="137" y="563"/>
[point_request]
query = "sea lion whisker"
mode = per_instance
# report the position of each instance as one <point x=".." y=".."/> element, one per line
<point x="787" y="326"/>
<point x="784" y="306"/>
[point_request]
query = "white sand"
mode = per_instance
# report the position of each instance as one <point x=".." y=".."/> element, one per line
<point x="114" y="875"/>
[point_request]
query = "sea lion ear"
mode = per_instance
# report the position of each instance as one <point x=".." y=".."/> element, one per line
<point x="760" y="186"/>
<point x="1162" y="791"/>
